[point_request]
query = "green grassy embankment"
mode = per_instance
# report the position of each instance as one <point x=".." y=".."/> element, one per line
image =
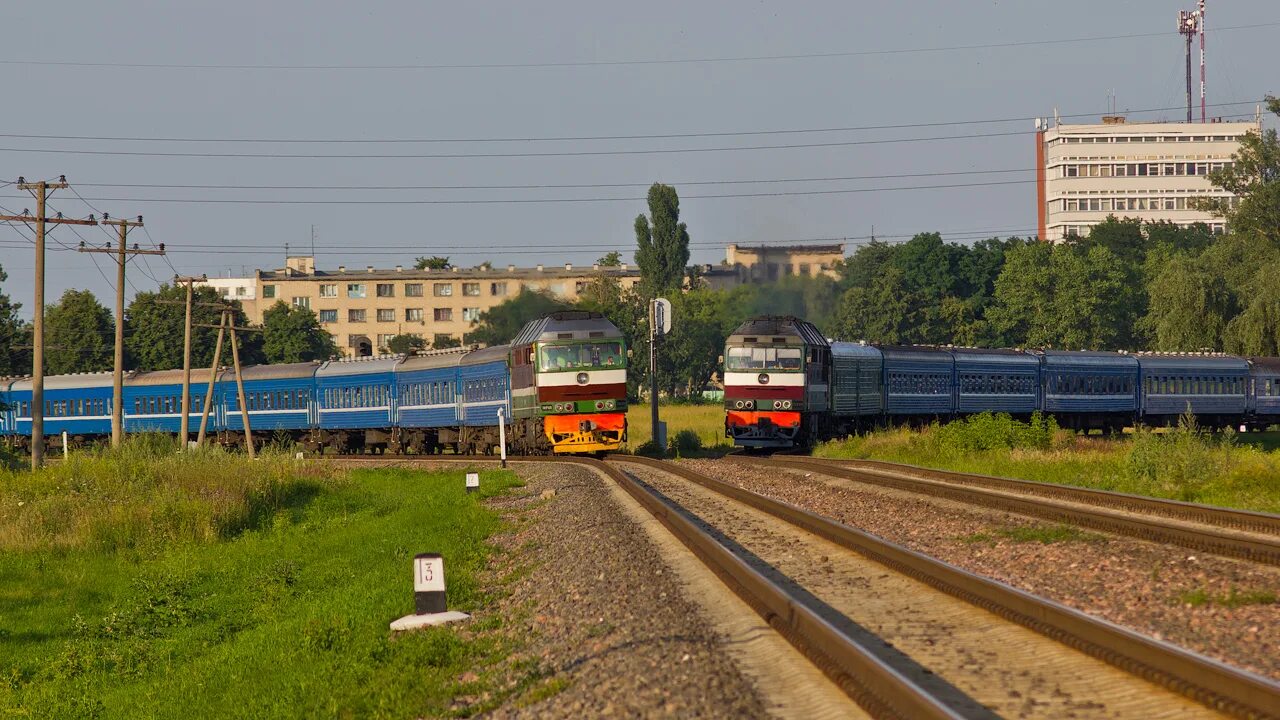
<point x="706" y="420"/>
<point x="148" y="584"/>
<point x="1181" y="463"/>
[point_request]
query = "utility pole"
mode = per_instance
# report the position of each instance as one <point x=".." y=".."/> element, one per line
<point x="40" y="190"/>
<point x="185" y="427"/>
<point x="121" y="253"/>
<point x="659" y="325"/>
<point x="213" y="379"/>
<point x="228" y="324"/>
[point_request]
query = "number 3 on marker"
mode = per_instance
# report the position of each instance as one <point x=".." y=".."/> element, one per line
<point x="427" y="575"/>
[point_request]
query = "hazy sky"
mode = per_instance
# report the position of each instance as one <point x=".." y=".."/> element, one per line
<point x="577" y="88"/>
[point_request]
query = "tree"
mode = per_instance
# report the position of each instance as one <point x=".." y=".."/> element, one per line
<point x="435" y="262"/>
<point x="1254" y="177"/>
<point x="662" y="243"/>
<point x="293" y="334"/>
<point x="613" y="258"/>
<point x="1256" y="330"/>
<point x="1190" y="305"/>
<point x="499" y="324"/>
<point x="13" y="333"/>
<point x="406" y="344"/>
<point x="80" y="333"/>
<point x="153" y="331"/>
<point x="444" y="341"/>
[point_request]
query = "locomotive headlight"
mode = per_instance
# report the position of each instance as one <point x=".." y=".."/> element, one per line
<point x="599" y="405"/>
<point x="749" y="404"/>
<point x="786" y="404"/>
<point x="609" y="404"/>
<point x="777" y="404"/>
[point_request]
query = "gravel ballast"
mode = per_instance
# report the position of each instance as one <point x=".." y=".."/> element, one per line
<point x="595" y="605"/>
<point x="1219" y="607"/>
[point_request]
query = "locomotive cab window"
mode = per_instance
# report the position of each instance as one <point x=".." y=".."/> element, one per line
<point x="764" y="358"/>
<point x="578" y="356"/>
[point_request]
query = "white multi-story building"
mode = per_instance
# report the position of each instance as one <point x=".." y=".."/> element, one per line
<point x="1151" y="171"/>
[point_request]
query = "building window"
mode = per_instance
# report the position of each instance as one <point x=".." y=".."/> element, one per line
<point x="498" y="289"/>
<point x="240" y="291"/>
<point x="413" y="290"/>
<point x="268" y="291"/>
<point x="471" y="289"/>
<point x="470" y="314"/>
<point x="413" y="315"/>
<point x="443" y="314"/>
<point x="442" y="289"/>
<point x="328" y="316"/>
<point x="301" y="302"/>
<point x="384" y="340"/>
<point x="556" y="288"/>
<point x="386" y="315"/>
<point x="329" y="290"/>
<point x="356" y="316"/>
<point x="355" y="290"/>
<point x="804" y="268"/>
<point x="386" y="290"/>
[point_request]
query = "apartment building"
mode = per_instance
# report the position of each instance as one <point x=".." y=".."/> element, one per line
<point x="1152" y="171"/>
<point x="771" y="262"/>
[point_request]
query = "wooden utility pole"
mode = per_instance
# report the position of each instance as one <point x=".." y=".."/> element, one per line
<point x="41" y="192"/>
<point x="213" y="380"/>
<point x="185" y="427"/>
<point x="121" y="253"/>
<point x="228" y="323"/>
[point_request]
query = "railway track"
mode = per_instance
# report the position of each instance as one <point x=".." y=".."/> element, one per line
<point x="872" y="671"/>
<point x="1222" y="531"/>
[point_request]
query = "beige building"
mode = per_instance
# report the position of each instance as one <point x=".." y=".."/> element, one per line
<point x="1151" y="171"/>
<point x="364" y="309"/>
<point x="757" y="263"/>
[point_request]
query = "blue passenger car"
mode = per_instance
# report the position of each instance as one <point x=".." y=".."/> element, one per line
<point x="918" y="382"/>
<point x="1003" y="381"/>
<point x="1211" y="386"/>
<point x="279" y="398"/>
<point x="484" y="383"/>
<point x="79" y="404"/>
<point x="1264" y="392"/>
<point x="857" y="385"/>
<point x="1084" y="389"/>
<point x="426" y="390"/>
<point x="355" y="402"/>
<point x="153" y="401"/>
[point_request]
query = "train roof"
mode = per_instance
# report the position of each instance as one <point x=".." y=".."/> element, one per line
<point x="62" y="382"/>
<point x="492" y="353"/>
<point x="930" y="353"/>
<point x="1092" y="358"/>
<point x="1192" y="361"/>
<point x="997" y="356"/>
<point x="1268" y="364"/>
<point x="851" y="349"/>
<point x="171" y="377"/>
<point x="567" y="325"/>
<point x="432" y="359"/>
<point x="360" y="366"/>
<point x="781" y="329"/>
<point x="284" y="371"/>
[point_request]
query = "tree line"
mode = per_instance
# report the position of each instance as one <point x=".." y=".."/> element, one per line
<point x="80" y="333"/>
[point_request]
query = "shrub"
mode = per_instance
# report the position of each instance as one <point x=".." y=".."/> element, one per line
<point x="685" y="443"/>
<point x="988" y="431"/>
<point x="650" y="449"/>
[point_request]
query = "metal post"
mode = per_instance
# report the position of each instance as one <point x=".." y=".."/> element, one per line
<point x="117" y="371"/>
<point x="502" y="436"/>
<point x="653" y="378"/>
<point x="244" y="406"/>
<point x="213" y="378"/>
<point x="184" y="432"/>
<point x="66" y="451"/>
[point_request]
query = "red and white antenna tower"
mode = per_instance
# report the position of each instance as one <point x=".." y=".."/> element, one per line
<point x="1191" y="23"/>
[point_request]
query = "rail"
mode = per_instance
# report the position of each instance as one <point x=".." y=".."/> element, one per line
<point x="1212" y="683"/>
<point x="1124" y="520"/>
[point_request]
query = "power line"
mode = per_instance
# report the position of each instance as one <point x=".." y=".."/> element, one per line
<point x="616" y="63"/>
<point x="586" y="138"/>
<point x="553" y="153"/>
<point x="535" y="201"/>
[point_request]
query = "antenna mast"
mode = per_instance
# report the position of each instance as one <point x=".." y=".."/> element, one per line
<point x="1202" y="76"/>
<point x="1188" y="24"/>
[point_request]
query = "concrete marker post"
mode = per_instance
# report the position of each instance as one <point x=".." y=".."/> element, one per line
<point x="473" y="482"/>
<point x="66" y="450"/>
<point x="429" y="595"/>
<point x="502" y="436"/>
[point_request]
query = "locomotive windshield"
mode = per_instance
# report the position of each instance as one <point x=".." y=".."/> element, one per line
<point x="745" y="357"/>
<point x="579" y="356"/>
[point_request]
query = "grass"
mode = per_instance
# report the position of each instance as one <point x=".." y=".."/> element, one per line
<point x="1233" y="598"/>
<point x="707" y="421"/>
<point x="146" y="584"/>
<point x="1182" y="463"/>
<point x="1043" y="534"/>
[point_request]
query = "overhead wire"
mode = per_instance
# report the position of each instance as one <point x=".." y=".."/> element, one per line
<point x="615" y="63"/>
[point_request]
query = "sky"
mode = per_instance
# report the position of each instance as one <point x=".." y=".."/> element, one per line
<point x="850" y="91"/>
